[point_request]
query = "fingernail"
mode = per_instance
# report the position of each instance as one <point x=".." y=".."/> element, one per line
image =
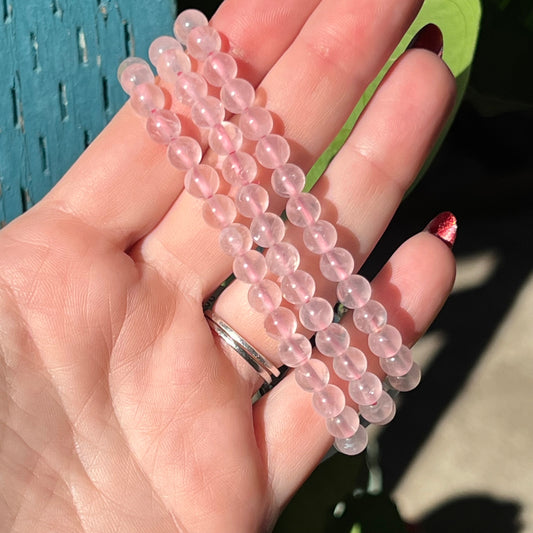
<point x="430" y="38"/>
<point x="444" y="226"/>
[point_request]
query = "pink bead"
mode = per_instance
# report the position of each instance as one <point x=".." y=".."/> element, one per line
<point x="272" y="151"/>
<point x="354" y="291"/>
<point x="329" y="401"/>
<point x="255" y="122"/>
<point x="337" y="264"/>
<point x="385" y="420"/>
<point x="237" y="95"/>
<point x="399" y="364"/>
<point x="351" y="364"/>
<point x="320" y="237"/>
<point x="146" y="98"/>
<point x="343" y="425"/>
<point x="239" y="169"/>
<point x="163" y="126"/>
<point x="219" y="68"/>
<point x="303" y="209"/>
<point x="251" y="200"/>
<point x="184" y="153"/>
<point x="298" y="287"/>
<point x="207" y="112"/>
<point x="294" y="350"/>
<point x="225" y="138"/>
<point x="235" y="239"/>
<point x="366" y="390"/>
<point x="201" y="181"/>
<point x="171" y="63"/>
<point x="333" y="340"/>
<point x="264" y="296"/>
<point x="203" y="41"/>
<point x="280" y="323"/>
<point x="219" y="211"/>
<point x="282" y="259"/>
<point x="407" y="382"/>
<point x="250" y="267"/>
<point x="312" y="376"/>
<point x="371" y="317"/>
<point x="355" y="444"/>
<point x="288" y="180"/>
<point x="134" y="71"/>
<point x="267" y="229"/>
<point x="189" y="88"/>
<point x="186" y="21"/>
<point x="386" y="342"/>
<point x="160" y="45"/>
<point x="142" y="64"/>
<point x="316" y="314"/>
<point x="381" y="412"/>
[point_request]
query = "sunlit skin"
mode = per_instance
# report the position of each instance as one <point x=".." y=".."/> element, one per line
<point x="119" y="410"/>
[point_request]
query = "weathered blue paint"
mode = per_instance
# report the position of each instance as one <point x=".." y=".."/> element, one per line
<point x="58" y="85"/>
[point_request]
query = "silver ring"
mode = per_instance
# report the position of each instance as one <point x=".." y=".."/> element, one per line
<point x="256" y="360"/>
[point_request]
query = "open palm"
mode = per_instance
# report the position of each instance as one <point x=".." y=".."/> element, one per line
<point x="119" y="410"/>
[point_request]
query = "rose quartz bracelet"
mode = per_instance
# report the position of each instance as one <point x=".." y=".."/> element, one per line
<point x="267" y="230"/>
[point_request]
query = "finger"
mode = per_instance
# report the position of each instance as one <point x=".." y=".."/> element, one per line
<point x="123" y="183"/>
<point x="280" y="20"/>
<point x="413" y="286"/>
<point x="363" y="187"/>
<point x="339" y="50"/>
<point x="387" y="149"/>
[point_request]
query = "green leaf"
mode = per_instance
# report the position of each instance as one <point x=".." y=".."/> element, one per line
<point x="373" y="513"/>
<point x="459" y="22"/>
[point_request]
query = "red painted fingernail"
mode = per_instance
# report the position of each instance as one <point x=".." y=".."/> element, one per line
<point x="444" y="226"/>
<point x="430" y="38"/>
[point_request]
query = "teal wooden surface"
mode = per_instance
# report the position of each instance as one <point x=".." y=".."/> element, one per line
<point x="58" y="86"/>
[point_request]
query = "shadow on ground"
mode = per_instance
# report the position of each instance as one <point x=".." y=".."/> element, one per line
<point x="474" y="514"/>
<point x="484" y="174"/>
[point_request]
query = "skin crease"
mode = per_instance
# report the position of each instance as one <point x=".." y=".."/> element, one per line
<point x="119" y="411"/>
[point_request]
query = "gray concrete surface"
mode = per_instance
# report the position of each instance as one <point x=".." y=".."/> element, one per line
<point x="478" y="459"/>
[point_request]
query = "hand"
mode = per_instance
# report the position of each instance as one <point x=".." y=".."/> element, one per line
<point x="120" y="411"/>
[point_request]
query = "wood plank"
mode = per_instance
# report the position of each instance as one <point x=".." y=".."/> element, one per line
<point x="58" y="83"/>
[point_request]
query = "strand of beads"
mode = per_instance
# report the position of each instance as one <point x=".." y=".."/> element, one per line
<point x="148" y="100"/>
<point x="384" y="341"/>
<point x="207" y="112"/>
<point x="282" y="259"/>
<point x="316" y="314"/>
<point x="266" y="229"/>
<point x="336" y="264"/>
<point x="354" y="292"/>
<point x="185" y="153"/>
<point x="369" y="316"/>
<point x="164" y="126"/>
